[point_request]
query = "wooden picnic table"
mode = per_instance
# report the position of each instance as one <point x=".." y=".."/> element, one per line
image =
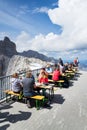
<point x="48" y="87"/>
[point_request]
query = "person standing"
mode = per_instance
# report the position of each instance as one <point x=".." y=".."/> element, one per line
<point x="60" y="61"/>
<point x="76" y="62"/>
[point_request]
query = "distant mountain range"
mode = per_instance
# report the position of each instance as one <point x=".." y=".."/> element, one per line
<point x="35" y="54"/>
<point x="11" y="60"/>
<point x="8" y="50"/>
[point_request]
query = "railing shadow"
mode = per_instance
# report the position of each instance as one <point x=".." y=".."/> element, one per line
<point x="4" y="127"/>
<point x="5" y="105"/>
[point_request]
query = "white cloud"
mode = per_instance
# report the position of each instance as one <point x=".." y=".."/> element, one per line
<point x="41" y="10"/>
<point x="22" y="41"/>
<point x="39" y="42"/>
<point x="45" y="45"/>
<point x="72" y="16"/>
<point x="3" y="34"/>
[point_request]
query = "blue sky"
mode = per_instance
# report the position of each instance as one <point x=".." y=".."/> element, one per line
<point x="56" y="28"/>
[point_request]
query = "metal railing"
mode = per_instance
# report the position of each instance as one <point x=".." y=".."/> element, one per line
<point x="5" y="82"/>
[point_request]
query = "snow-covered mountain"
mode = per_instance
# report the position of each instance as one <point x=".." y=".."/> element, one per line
<point x="19" y="63"/>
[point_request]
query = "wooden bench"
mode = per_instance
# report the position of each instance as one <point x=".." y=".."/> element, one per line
<point x="10" y="92"/>
<point x="39" y="100"/>
<point x="59" y="81"/>
<point x="70" y="75"/>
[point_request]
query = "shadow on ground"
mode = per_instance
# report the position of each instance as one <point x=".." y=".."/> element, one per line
<point x="58" y="98"/>
<point x="6" y="117"/>
<point x="71" y="83"/>
<point x="4" y="105"/>
<point x="13" y="118"/>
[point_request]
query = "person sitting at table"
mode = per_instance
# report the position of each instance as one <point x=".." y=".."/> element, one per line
<point x="70" y="67"/>
<point x="56" y="74"/>
<point x="35" y="87"/>
<point x="49" y="70"/>
<point x="55" y="66"/>
<point x="66" y="66"/>
<point x="16" y="84"/>
<point x="28" y="87"/>
<point x="43" y="79"/>
<point x="43" y="76"/>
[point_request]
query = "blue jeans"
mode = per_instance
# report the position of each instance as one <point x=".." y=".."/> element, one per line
<point x="29" y="94"/>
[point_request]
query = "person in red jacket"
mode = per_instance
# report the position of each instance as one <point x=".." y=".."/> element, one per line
<point x="43" y="76"/>
<point x="56" y="74"/>
<point x="43" y="79"/>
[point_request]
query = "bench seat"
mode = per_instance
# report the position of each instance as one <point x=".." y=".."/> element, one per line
<point x="10" y="92"/>
<point x="59" y="81"/>
<point x="56" y="83"/>
<point x="37" y="98"/>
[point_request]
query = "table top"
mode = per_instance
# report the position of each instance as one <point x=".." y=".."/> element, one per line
<point x="40" y="85"/>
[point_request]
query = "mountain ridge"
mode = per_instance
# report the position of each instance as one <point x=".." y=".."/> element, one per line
<point x="8" y="48"/>
<point x="8" y="51"/>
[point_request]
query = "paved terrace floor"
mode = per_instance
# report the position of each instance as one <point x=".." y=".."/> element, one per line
<point x="68" y="111"/>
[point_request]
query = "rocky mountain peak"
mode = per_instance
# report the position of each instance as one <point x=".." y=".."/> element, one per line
<point x="6" y="39"/>
<point x="7" y="47"/>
